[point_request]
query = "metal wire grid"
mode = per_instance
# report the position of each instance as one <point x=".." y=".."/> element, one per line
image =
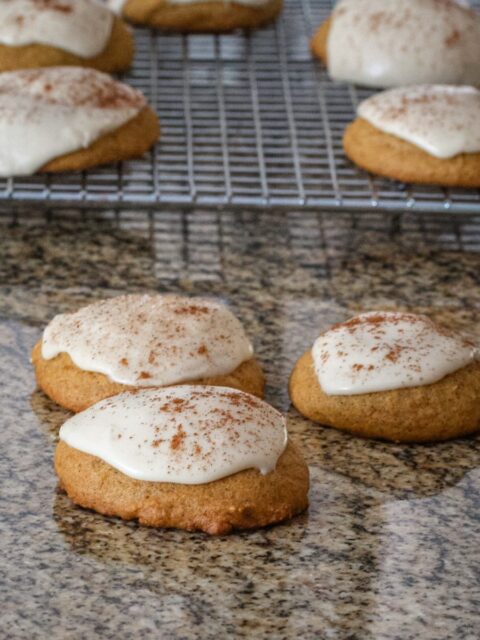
<point x="248" y="120"/>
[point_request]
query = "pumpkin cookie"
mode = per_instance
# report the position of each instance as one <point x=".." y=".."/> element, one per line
<point x="135" y="341"/>
<point x="395" y="376"/>
<point x="424" y="134"/>
<point x="209" y="16"/>
<point x="71" y="32"/>
<point x="96" y="120"/>
<point x="387" y="43"/>
<point x="196" y="458"/>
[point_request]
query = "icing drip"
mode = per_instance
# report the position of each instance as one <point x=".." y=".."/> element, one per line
<point x="150" y="340"/>
<point x="379" y="351"/>
<point x="81" y="27"/>
<point x="385" y="43"/>
<point x="442" y="120"/>
<point x="185" y="434"/>
<point x="46" y="113"/>
<point x="116" y="5"/>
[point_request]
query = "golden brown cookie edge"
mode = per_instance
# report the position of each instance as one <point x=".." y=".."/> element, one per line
<point x="388" y="156"/>
<point x="245" y="500"/>
<point x="117" y="55"/>
<point x="318" y="43"/>
<point x="447" y="409"/>
<point x="131" y="140"/>
<point x="200" y="17"/>
<point x="74" y="389"/>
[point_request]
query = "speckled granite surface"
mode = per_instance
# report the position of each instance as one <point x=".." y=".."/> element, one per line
<point x="389" y="547"/>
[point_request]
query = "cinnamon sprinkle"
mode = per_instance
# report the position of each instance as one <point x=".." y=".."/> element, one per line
<point x="53" y="5"/>
<point x="191" y="310"/>
<point x="177" y="440"/>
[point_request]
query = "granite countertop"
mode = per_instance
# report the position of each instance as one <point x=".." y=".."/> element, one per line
<point x="389" y="547"/>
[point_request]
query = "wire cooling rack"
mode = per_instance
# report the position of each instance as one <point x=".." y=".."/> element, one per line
<point x="249" y="120"/>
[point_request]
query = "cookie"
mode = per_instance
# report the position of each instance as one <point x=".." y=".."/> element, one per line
<point x="203" y="17"/>
<point x="129" y="141"/>
<point x="96" y="119"/>
<point x="75" y="389"/>
<point x="195" y="458"/>
<point x="388" y="43"/>
<point x="393" y="376"/>
<point x="137" y="341"/>
<point x="424" y="134"/>
<point x="318" y="43"/>
<point x="74" y="32"/>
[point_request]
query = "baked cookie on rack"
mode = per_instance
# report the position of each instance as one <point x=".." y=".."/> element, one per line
<point x="390" y="375"/>
<point x="48" y="33"/>
<point x="421" y="134"/>
<point x="387" y="43"/>
<point x="68" y="119"/>
<point x="136" y="341"/>
<point x="198" y="458"/>
<point x="204" y="16"/>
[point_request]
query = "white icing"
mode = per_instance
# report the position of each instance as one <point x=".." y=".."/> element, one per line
<point x="117" y="5"/>
<point x="46" y="113"/>
<point x="386" y="43"/>
<point x="81" y="27"/>
<point x="442" y="120"/>
<point x="379" y="351"/>
<point x="185" y="434"/>
<point x="150" y="340"/>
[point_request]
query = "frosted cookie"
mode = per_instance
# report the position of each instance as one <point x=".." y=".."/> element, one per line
<point x="70" y="119"/>
<point x="47" y="33"/>
<point x="395" y="376"/>
<point x="421" y="134"/>
<point x="196" y="458"/>
<point x="387" y="43"/>
<point x="136" y="341"/>
<point x="211" y="16"/>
